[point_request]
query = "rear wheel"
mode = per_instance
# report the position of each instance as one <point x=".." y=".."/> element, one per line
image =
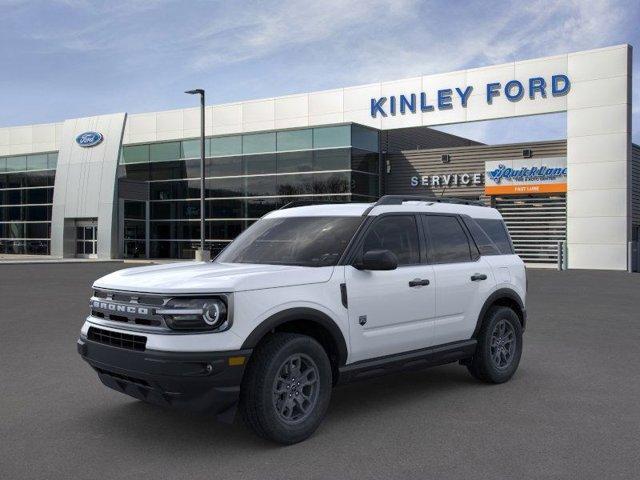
<point x="499" y="346"/>
<point x="287" y="388"/>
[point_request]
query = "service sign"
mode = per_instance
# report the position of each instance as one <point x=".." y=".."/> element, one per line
<point x="523" y="176"/>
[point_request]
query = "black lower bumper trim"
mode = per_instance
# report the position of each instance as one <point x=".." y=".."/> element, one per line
<point x="200" y="381"/>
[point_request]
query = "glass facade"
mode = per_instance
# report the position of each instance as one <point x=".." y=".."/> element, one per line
<point x="246" y="176"/>
<point x="26" y="196"/>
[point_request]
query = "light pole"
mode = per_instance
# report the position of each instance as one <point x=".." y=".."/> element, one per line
<point x="202" y="255"/>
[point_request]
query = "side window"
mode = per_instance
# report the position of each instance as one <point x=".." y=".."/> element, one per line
<point x="398" y="234"/>
<point x="484" y="243"/>
<point x="448" y="243"/>
<point x="497" y="232"/>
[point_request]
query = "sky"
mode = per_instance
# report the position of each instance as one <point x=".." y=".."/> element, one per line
<point x="73" y="58"/>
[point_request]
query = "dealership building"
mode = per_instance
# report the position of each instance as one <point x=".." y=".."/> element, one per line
<point x="128" y="185"/>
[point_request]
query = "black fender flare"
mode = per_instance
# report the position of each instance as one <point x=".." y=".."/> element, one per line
<point x="297" y="314"/>
<point x="501" y="293"/>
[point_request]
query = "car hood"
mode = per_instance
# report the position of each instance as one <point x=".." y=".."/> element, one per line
<point x="211" y="277"/>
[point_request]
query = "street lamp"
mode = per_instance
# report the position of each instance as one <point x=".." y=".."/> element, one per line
<point x="202" y="255"/>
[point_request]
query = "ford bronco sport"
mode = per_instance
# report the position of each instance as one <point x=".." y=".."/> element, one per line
<point x="309" y="297"/>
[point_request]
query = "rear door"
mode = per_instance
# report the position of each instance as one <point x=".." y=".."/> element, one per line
<point x="463" y="278"/>
<point x="391" y="311"/>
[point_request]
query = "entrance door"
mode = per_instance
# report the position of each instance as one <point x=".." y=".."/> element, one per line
<point x="391" y="311"/>
<point x="87" y="239"/>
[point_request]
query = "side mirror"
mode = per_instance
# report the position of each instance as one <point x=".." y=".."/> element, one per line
<point x="378" y="260"/>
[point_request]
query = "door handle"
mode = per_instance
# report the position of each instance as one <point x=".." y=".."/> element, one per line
<point x="418" y="282"/>
<point x="478" y="276"/>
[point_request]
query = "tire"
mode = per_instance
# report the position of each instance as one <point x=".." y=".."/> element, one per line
<point x="275" y="404"/>
<point x="496" y="359"/>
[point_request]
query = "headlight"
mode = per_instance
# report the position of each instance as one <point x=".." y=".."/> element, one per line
<point x="196" y="314"/>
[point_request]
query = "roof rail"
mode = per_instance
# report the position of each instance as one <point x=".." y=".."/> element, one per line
<point x="305" y="203"/>
<point x="400" y="199"/>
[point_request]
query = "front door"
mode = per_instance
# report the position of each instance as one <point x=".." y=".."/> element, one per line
<point x="87" y="239"/>
<point x="391" y="311"/>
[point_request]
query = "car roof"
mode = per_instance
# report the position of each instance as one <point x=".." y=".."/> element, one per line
<point x="359" y="209"/>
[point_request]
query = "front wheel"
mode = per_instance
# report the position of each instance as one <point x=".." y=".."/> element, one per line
<point x="499" y="347"/>
<point x="286" y="390"/>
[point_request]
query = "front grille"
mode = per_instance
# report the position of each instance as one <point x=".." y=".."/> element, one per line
<point x="131" y="308"/>
<point x="117" y="339"/>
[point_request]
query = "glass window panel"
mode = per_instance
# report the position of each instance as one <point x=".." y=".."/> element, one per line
<point x="15" y="197"/>
<point x="37" y="230"/>
<point x="326" y="137"/>
<point x="296" y="184"/>
<point x="16" y="164"/>
<point x="162" y="152"/>
<point x="134" y="230"/>
<point x="37" y="247"/>
<point x="225" y="187"/>
<point x="175" y="230"/>
<point x="331" y="182"/>
<point x="175" y="210"/>
<point x="261" y="186"/>
<point x="295" y="162"/>
<point x="16" y="230"/>
<point x="179" y="250"/>
<point x="39" y="195"/>
<point x="259" y="143"/>
<point x="224" y="146"/>
<point x="364" y="138"/>
<point x="226" y="208"/>
<point x="38" y="213"/>
<point x="52" y="160"/>
<point x="135" y="154"/>
<point x="139" y="171"/>
<point x="364" y="184"/>
<point x="191" y="148"/>
<point x="364" y="161"/>
<point x="258" y="207"/>
<point x="339" y="159"/>
<point x="8" y="214"/>
<point x="134" y="209"/>
<point x="225" y="230"/>
<point x="37" y="162"/>
<point x="3" y="165"/>
<point x="168" y="170"/>
<point x="134" y="249"/>
<point x="260" y="164"/>
<point x="295" y="140"/>
<point x="223" y="166"/>
<point x="43" y="178"/>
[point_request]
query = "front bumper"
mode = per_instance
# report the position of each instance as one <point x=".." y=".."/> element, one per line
<point x="200" y="381"/>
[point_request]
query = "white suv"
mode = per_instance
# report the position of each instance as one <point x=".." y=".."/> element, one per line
<point x="309" y="297"/>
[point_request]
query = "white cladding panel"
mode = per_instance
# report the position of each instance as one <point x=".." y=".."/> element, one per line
<point x="86" y="180"/>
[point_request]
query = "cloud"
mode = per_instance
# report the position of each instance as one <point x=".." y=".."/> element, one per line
<point x="253" y="49"/>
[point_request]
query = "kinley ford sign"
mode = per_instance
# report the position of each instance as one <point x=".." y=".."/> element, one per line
<point x="504" y="177"/>
<point x="447" y="98"/>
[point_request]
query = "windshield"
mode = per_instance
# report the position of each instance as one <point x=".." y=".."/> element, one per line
<point x="304" y="241"/>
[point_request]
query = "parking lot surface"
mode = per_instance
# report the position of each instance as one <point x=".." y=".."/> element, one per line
<point x="571" y="411"/>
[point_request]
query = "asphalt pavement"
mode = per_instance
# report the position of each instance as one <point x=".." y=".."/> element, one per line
<point x="572" y="411"/>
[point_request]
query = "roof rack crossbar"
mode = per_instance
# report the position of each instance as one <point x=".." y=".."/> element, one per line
<point x="400" y="199"/>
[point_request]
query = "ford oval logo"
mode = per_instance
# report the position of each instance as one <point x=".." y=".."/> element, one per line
<point x="89" y="139"/>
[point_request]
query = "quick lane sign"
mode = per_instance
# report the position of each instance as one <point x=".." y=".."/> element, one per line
<point x="448" y="98"/>
<point x="543" y="175"/>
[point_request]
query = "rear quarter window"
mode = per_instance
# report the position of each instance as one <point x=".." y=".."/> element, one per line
<point x="497" y="232"/>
